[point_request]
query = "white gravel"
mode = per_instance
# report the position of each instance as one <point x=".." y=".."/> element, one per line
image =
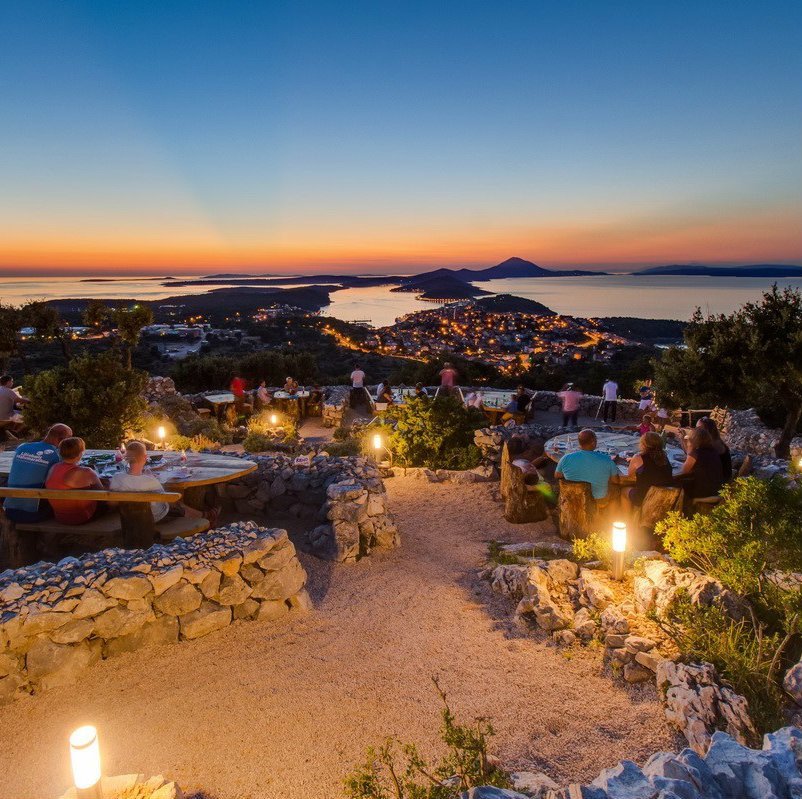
<point x="283" y="711"/>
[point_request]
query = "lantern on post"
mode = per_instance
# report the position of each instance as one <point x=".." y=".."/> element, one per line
<point x="85" y="760"/>
<point x="273" y="419"/>
<point x="162" y="433"/>
<point x="619" y="549"/>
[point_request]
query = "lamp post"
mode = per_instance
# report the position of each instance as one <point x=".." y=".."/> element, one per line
<point x="619" y="548"/>
<point x="85" y="759"/>
<point x="378" y="445"/>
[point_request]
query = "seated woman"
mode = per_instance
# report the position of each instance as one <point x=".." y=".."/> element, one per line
<point x="718" y="444"/>
<point x="386" y="394"/>
<point x="290" y="385"/>
<point x="421" y="392"/>
<point x="263" y="396"/>
<point x="474" y="400"/>
<point x="650" y="467"/>
<point x="68" y="474"/>
<point x="702" y="474"/>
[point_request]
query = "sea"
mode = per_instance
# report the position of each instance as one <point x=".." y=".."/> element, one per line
<point x="647" y="297"/>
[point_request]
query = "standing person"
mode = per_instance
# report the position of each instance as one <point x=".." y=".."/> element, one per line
<point x="610" y="392"/>
<point x="571" y="398"/>
<point x="29" y="468"/>
<point x="9" y="400"/>
<point x="646" y="399"/>
<point x="69" y="474"/>
<point x="588" y="465"/>
<point x="448" y="379"/>
<point x="357" y="377"/>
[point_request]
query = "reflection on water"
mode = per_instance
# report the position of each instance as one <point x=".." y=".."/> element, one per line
<point x="651" y="297"/>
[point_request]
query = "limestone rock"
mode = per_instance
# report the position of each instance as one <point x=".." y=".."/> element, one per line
<point x="233" y="591"/>
<point x="272" y="609"/>
<point x="119" y="620"/>
<point x="159" y="632"/>
<point x="561" y="571"/>
<point x="50" y="664"/>
<point x="161" y="581"/>
<point x="592" y="586"/>
<point x="73" y="631"/>
<point x="282" y="584"/>
<point x="301" y="601"/>
<point x="178" y="600"/>
<point x="206" y="619"/>
<point x="246" y="610"/>
<point x="134" y="586"/>
<point x="634" y="672"/>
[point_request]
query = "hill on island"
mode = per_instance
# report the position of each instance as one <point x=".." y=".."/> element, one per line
<point x="509" y="303"/>
<point x="440" y="286"/>
<point x="512" y="267"/>
<point x="747" y="270"/>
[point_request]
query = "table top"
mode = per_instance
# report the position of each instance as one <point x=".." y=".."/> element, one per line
<point x="613" y="444"/>
<point x="201" y="469"/>
<point x="222" y="398"/>
<point x="287" y="395"/>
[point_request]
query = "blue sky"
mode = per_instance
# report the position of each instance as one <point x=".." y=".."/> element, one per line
<point x="297" y="135"/>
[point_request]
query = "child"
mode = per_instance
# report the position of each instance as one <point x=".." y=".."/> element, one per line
<point x="646" y="425"/>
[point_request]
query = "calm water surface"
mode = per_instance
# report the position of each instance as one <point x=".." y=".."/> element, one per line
<point x="656" y="297"/>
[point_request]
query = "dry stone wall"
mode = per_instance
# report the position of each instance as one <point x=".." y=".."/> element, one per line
<point x="342" y="499"/>
<point x="335" y="405"/>
<point x="744" y="431"/>
<point x="56" y="619"/>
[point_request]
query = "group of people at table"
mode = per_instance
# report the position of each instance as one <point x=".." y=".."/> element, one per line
<point x="706" y="469"/>
<point x="55" y="463"/>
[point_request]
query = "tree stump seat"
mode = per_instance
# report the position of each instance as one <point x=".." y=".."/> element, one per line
<point x="658" y="503"/>
<point x="523" y="502"/>
<point x="578" y="509"/>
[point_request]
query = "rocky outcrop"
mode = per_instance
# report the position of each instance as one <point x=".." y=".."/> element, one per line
<point x="158" y="387"/>
<point x="745" y="431"/>
<point x="728" y="770"/>
<point x="343" y="500"/>
<point x="56" y="619"/>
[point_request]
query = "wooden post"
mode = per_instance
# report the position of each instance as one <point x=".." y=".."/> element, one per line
<point x="577" y="509"/>
<point x="138" y="527"/>
<point x="17" y="549"/>
<point x="523" y="502"/>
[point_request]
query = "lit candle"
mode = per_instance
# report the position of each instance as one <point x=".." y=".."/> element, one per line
<point x="85" y="759"/>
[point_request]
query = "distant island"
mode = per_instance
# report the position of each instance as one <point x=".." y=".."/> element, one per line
<point x="511" y="268"/>
<point x="748" y="270"/>
<point x="440" y="287"/>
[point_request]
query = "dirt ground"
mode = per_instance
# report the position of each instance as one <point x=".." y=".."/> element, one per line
<point x="283" y="711"/>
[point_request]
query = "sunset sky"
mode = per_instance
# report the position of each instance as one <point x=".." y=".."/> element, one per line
<point x="377" y="136"/>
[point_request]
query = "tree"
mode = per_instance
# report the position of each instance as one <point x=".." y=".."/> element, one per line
<point x="93" y="394"/>
<point x="129" y="323"/>
<point x="47" y="323"/>
<point x="96" y="314"/>
<point x="10" y="324"/>
<point x="752" y="357"/>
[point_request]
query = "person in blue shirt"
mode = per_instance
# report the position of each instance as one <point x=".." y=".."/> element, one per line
<point x="588" y="465"/>
<point x="29" y="468"/>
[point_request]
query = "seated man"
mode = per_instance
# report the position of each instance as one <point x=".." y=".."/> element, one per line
<point x="68" y="474"/>
<point x="29" y="468"/>
<point x="137" y="479"/>
<point x="588" y="465"/>
<point x="421" y="392"/>
<point x="9" y="400"/>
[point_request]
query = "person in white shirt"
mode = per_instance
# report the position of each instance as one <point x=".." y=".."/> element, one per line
<point x="379" y="391"/>
<point x="610" y="392"/>
<point x="358" y="378"/>
<point x="9" y="400"/>
<point x="474" y="400"/>
<point x="137" y="479"/>
<point x="263" y="395"/>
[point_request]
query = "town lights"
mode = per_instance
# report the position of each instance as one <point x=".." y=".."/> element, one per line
<point x="85" y="759"/>
<point x="619" y="548"/>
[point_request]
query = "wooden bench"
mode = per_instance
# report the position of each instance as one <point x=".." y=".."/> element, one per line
<point x="131" y="520"/>
<point x="523" y="502"/>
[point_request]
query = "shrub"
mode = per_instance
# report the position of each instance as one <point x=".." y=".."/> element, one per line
<point x="350" y="448"/>
<point x="398" y="771"/>
<point x="194" y="443"/>
<point x="436" y="433"/>
<point x="754" y="530"/>
<point x="95" y="395"/>
<point x="594" y="547"/>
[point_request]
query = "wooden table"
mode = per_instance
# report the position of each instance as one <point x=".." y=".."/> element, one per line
<point x="299" y="396"/>
<point x="202" y="470"/>
<point x="612" y="444"/>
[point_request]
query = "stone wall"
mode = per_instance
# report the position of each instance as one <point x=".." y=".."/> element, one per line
<point x="589" y="404"/>
<point x="56" y="619"/>
<point x="744" y="431"/>
<point x="490" y="440"/>
<point x="343" y="499"/>
<point x="158" y="387"/>
<point x="335" y="405"/>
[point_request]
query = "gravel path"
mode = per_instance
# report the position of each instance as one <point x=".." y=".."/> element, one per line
<point x="283" y="711"/>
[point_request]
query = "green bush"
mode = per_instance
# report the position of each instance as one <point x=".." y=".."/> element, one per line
<point x="754" y="530"/>
<point x="193" y="443"/>
<point x="398" y="771"/>
<point x="436" y="433"/>
<point x="95" y="395"/>
<point x="348" y="448"/>
<point x="594" y="547"/>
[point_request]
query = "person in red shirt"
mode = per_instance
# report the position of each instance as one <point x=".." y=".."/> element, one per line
<point x="448" y="379"/>
<point x="237" y="387"/>
<point x="68" y="474"/>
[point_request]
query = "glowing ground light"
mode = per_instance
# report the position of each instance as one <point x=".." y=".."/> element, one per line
<point x="377" y="441"/>
<point x="619" y="548"/>
<point x="273" y="419"/>
<point x="85" y="760"/>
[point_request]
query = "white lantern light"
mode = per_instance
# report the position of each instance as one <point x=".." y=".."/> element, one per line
<point x="619" y="537"/>
<point x="85" y="759"/>
<point x="162" y="433"/>
<point x="273" y="419"/>
<point x="377" y="441"/>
